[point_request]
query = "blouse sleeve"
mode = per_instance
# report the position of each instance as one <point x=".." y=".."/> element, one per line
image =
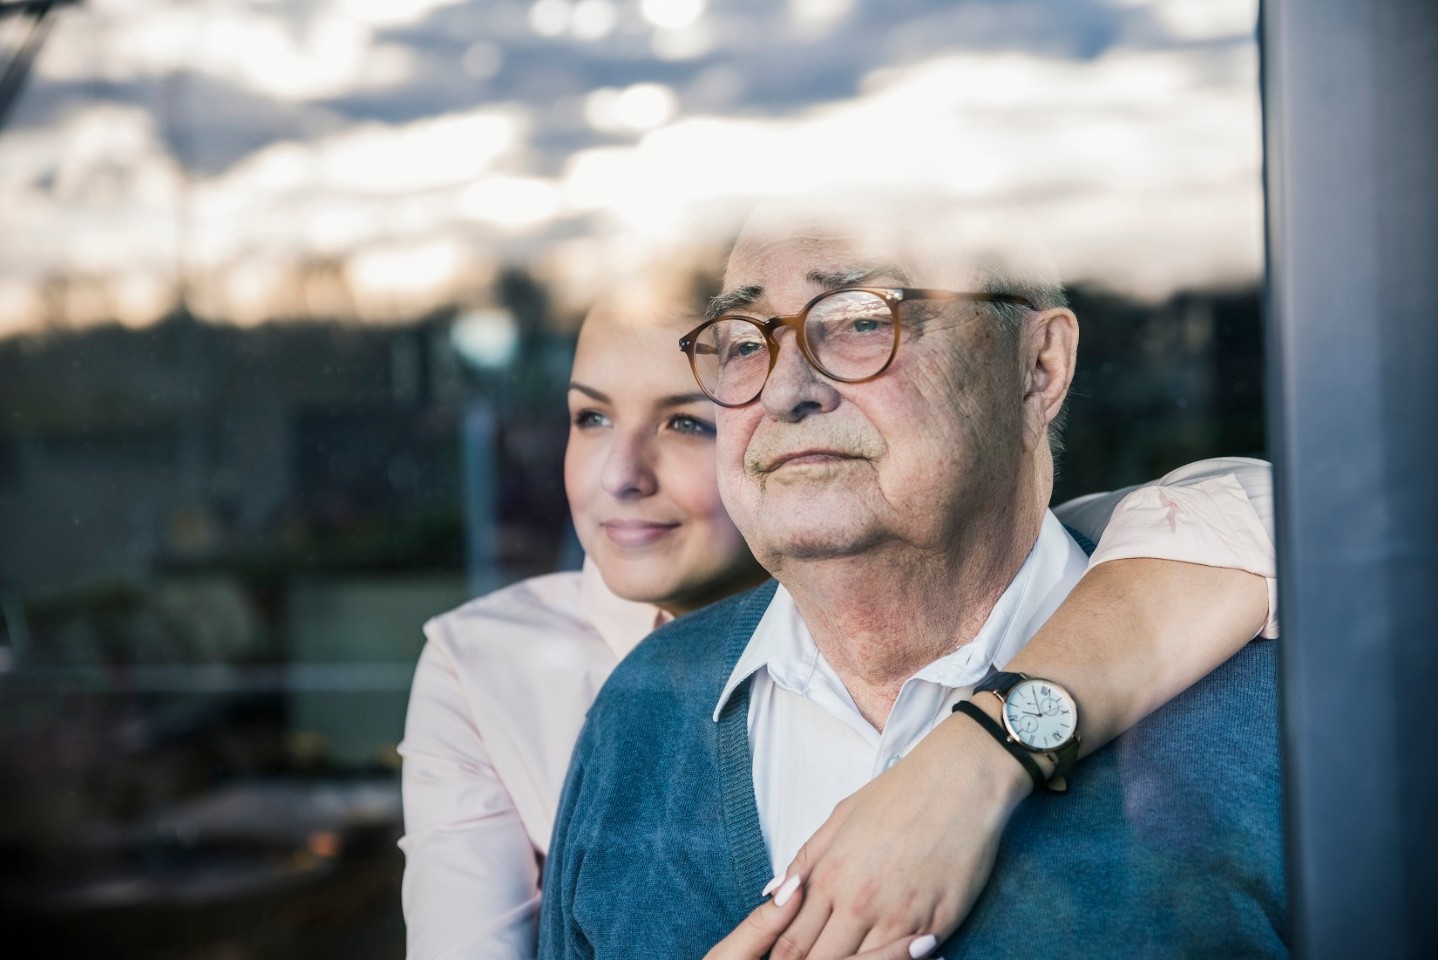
<point x="471" y="877"/>
<point x="1215" y="512"/>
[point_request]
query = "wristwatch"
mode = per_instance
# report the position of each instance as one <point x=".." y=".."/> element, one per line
<point x="1040" y="716"/>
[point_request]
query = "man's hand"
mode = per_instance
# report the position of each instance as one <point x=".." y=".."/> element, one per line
<point x="909" y="853"/>
<point x="760" y="934"/>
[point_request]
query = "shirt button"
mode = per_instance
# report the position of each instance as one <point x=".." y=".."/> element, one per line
<point x="893" y="760"/>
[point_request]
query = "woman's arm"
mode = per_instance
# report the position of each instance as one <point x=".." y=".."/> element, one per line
<point x="1137" y="631"/>
<point x="1216" y="513"/>
<point x="909" y="853"/>
<point x="471" y="878"/>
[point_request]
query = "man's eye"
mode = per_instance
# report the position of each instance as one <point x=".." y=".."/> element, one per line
<point x="744" y="349"/>
<point x="860" y="327"/>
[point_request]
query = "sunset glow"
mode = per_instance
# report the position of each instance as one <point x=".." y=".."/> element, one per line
<point x="1142" y="161"/>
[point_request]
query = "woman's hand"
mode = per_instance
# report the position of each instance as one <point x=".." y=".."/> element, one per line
<point x="761" y="933"/>
<point x="909" y="853"/>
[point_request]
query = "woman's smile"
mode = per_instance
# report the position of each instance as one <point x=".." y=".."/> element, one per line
<point x="637" y="533"/>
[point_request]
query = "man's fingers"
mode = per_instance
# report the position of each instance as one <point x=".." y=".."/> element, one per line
<point x="759" y="931"/>
<point x="798" y="939"/>
<point x="906" y="948"/>
<point x="845" y="935"/>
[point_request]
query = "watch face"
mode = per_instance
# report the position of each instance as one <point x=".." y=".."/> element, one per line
<point x="1040" y="714"/>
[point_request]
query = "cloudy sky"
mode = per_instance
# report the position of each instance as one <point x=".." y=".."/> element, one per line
<point x="377" y="157"/>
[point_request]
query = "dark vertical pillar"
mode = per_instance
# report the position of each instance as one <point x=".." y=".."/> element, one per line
<point x="478" y="440"/>
<point x="1351" y="138"/>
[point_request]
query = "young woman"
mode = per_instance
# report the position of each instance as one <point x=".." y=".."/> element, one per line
<point x="503" y="683"/>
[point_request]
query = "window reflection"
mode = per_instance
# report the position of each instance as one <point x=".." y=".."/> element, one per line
<point x="221" y="545"/>
<point x="287" y="304"/>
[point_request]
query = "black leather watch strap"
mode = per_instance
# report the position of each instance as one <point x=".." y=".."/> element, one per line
<point x="999" y="682"/>
<point x="1064" y="759"/>
<point x="1002" y="736"/>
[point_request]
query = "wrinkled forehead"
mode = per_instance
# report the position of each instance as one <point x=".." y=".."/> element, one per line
<point x="906" y="240"/>
<point x="865" y="239"/>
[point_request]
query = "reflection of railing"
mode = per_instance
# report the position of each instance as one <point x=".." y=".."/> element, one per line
<point x="331" y="715"/>
<point x="221" y="678"/>
<point x="13" y="80"/>
<point x="261" y="866"/>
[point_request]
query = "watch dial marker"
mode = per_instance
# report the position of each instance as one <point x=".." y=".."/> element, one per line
<point x="1039" y="715"/>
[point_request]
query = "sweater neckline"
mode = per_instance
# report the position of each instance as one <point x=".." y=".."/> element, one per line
<point x="736" y="774"/>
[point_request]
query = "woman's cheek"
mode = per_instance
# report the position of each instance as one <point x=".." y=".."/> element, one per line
<point x="694" y="485"/>
<point x="581" y="474"/>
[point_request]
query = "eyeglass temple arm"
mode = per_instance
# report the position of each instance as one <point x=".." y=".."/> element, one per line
<point x="699" y="348"/>
<point x="925" y="293"/>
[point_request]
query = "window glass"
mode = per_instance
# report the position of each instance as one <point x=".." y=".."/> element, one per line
<point x="288" y="298"/>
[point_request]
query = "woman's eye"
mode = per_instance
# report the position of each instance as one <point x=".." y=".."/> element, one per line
<point x="589" y="419"/>
<point x="683" y="423"/>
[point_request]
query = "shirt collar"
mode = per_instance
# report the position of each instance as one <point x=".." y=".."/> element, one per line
<point x="783" y="644"/>
<point x="620" y="623"/>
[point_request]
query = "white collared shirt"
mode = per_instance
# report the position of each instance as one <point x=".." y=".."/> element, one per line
<point x="811" y="747"/>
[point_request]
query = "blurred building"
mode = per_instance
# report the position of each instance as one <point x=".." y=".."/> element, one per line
<point x="219" y="546"/>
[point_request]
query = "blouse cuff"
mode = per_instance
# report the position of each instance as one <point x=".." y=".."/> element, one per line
<point x="1210" y="522"/>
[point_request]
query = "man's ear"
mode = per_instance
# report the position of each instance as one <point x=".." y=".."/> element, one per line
<point x="1050" y="352"/>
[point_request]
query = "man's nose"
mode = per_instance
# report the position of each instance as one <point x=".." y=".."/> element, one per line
<point x="629" y="467"/>
<point x="795" y="389"/>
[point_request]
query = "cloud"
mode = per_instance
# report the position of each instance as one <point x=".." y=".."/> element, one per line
<point x="248" y="141"/>
<point x="93" y="194"/>
<point x="1110" y="156"/>
<point x="1199" y="20"/>
<point x="287" y="54"/>
<point x="371" y="187"/>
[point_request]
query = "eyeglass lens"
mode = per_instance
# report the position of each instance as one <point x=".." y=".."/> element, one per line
<point x="849" y="333"/>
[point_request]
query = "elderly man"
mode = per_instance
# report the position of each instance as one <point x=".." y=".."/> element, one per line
<point x="884" y="446"/>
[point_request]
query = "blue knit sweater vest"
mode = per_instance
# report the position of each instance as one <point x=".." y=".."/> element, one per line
<point x="1168" y="844"/>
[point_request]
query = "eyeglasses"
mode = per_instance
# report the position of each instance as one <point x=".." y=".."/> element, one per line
<point x="849" y="335"/>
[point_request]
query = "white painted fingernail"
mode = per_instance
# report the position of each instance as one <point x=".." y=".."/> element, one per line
<point x="772" y="885"/>
<point x="923" y="945"/>
<point x="786" y="891"/>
